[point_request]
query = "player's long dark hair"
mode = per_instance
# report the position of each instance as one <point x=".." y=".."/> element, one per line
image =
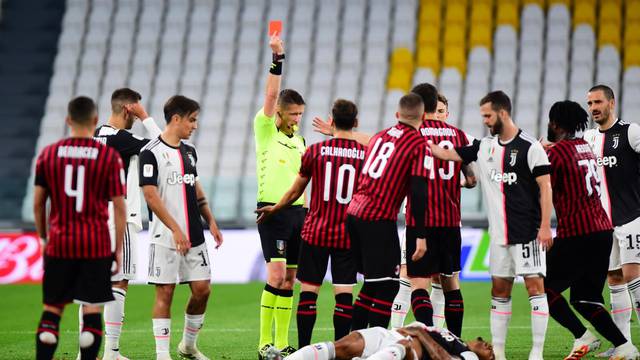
<point x="569" y="116"/>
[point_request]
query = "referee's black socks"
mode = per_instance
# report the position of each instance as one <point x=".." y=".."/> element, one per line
<point x="306" y="317"/>
<point x="342" y="315"/>
<point x="422" y="307"/>
<point x="47" y="335"/>
<point x="454" y="311"/>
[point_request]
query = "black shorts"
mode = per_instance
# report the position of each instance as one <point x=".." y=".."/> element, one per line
<point x="314" y="261"/>
<point x="85" y="281"/>
<point x="580" y="263"/>
<point x="443" y="252"/>
<point x="376" y="247"/>
<point x="280" y="235"/>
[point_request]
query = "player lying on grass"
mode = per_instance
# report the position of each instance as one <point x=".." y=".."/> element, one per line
<point x="414" y="342"/>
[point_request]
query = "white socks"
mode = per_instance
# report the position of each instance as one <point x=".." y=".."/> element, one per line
<point x="192" y="325"/>
<point x="391" y="352"/>
<point x="500" y="317"/>
<point x="162" y="333"/>
<point x="319" y="351"/>
<point x="539" y="320"/>
<point x="621" y="308"/>
<point x="401" y="304"/>
<point x="113" y="319"/>
<point x="634" y="290"/>
<point x="437" y="300"/>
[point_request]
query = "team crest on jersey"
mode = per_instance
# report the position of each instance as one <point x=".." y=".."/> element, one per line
<point x="191" y="159"/>
<point x="616" y="141"/>
<point x="513" y="157"/>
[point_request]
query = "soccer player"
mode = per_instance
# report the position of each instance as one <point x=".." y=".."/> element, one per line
<point x="414" y="342"/>
<point x="334" y="166"/>
<point x="617" y="148"/>
<point x="125" y="109"/>
<point x="584" y="232"/>
<point x="79" y="176"/>
<point x="178" y="252"/>
<point x="279" y="151"/>
<point x="514" y="170"/>
<point x="394" y="169"/>
<point x="443" y="229"/>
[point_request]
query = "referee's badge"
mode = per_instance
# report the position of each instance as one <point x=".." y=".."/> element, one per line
<point x="281" y="245"/>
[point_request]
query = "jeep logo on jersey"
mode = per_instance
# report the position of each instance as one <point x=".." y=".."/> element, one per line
<point x="609" y="161"/>
<point x="616" y="141"/>
<point x="178" y="179"/>
<point x="507" y="178"/>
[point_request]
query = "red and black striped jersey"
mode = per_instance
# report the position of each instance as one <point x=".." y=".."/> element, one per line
<point x="443" y="177"/>
<point x="576" y="189"/>
<point x="80" y="175"/>
<point x="333" y="167"/>
<point x="393" y="156"/>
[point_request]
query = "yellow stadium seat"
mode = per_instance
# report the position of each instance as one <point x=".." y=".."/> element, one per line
<point x="429" y="58"/>
<point x="590" y="2"/>
<point x="455" y="56"/>
<point x="402" y="58"/>
<point x="584" y="13"/>
<point x="430" y="12"/>
<point x="632" y="11"/>
<point x="538" y="2"/>
<point x="508" y="14"/>
<point x="513" y="2"/>
<point x="456" y="14"/>
<point x="481" y="13"/>
<point x="399" y="79"/>
<point x="429" y="35"/>
<point x="610" y="12"/>
<point x="632" y="56"/>
<point x="481" y="35"/>
<point x="632" y="34"/>
<point x="461" y="2"/>
<point x="609" y="34"/>
<point x="454" y="36"/>
<point x="565" y="2"/>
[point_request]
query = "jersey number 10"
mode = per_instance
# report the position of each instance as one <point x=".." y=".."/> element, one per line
<point x="345" y="170"/>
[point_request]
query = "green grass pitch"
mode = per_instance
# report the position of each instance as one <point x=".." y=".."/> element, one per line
<point x="230" y="329"/>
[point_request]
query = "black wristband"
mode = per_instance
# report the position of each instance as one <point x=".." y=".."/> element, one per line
<point x="277" y="57"/>
<point x="276" y="64"/>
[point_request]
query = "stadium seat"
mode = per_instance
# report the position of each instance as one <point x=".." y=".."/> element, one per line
<point x="632" y="56"/>
<point x="584" y="12"/>
<point x="508" y="14"/>
<point x="609" y="34"/>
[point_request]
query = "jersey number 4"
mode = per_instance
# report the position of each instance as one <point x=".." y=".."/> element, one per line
<point x="377" y="161"/>
<point x="78" y="192"/>
<point x="345" y="170"/>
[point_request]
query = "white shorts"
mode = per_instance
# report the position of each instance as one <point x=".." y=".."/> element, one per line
<point x="403" y="247"/>
<point x="127" y="270"/>
<point x="166" y="266"/>
<point x="377" y="338"/>
<point x="626" y="245"/>
<point x="509" y="261"/>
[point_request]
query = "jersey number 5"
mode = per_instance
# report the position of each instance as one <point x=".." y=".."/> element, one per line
<point x="378" y="159"/>
<point x="78" y="192"/>
<point x="343" y="171"/>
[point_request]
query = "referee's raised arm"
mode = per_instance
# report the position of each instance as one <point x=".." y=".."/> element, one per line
<point x="275" y="75"/>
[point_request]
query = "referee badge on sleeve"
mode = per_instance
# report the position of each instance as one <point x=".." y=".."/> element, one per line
<point x="147" y="170"/>
<point x="281" y="246"/>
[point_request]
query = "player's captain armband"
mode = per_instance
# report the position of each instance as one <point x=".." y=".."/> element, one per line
<point x="147" y="170"/>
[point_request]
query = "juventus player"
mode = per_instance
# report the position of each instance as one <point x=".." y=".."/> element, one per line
<point x="514" y="170"/>
<point x="125" y="109"/>
<point x="394" y="169"/>
<point x="79" y="176"/>
<point x="617" y="148"/>
<point x="177" y="253"/>
<point x="333" y="167"/>
<point x="584" y="232"/>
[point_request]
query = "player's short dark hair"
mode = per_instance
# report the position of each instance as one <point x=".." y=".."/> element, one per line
<point x="608" y="92"/>
<point x="569" y="115"/>
<point x="179" y="105"/>
<point x="123" y="96"/>
<point x="344" y="113"/>
<point x="411" y="106"/>
<point x="289" y="97"/>
<point x="443" y="99"/>
<point x="82" y="110"/>
<point x="499" y="101"/>
<point x="429" y="95"/>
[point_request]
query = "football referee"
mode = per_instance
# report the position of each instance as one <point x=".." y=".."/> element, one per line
<point x="278" y="151"/>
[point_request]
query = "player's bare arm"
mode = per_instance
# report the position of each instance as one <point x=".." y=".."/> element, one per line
<point x="444" y="154"/>
<point x="206" y="213"/>
<point x="273" y="81"/>
<point x="120" y="221"/>
<point x="138" y="110"/>
<point x="156" y="205"/>
<point x="40" y="196"/>
<point x="326" y="128"/>
<point x="435" y="351"/>
<point x="294" y="193"/>
<point x="544" y="234"/>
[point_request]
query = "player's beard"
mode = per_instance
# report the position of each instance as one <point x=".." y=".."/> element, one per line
<point x="551" y="135"/>
<point x="604" y="116"/>
<point x="129" y="122"/>
<point x="496" y="129"/>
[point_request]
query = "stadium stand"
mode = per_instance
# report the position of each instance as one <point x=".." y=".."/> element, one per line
<point x="371" y="51"/>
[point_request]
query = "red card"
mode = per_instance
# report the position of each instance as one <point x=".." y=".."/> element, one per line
<point x="275" y="26"/>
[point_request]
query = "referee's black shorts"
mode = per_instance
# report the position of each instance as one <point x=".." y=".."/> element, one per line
<point x="376" y="247"/>
<point x="84" y="281"/>
<point x="580" y="263"/>
<point x="280" y="235"/>
<point x="443" y="252"/>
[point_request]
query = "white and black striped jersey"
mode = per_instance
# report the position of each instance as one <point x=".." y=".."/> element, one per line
<point x="617" y="151"/>
<point x="508" y="173"/>
<point x="128" y="146"/>
<point x="173" y="171"/>
<point x="452" y="344"/>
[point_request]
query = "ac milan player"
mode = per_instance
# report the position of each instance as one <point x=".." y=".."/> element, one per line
<point x="334" y="165"/>
<point x="443" y="228"/>
<point x="617" y="148"/>
<point x="584" y="232"/>
<point x="394" y="168"/>
<point x="79" y="176"/>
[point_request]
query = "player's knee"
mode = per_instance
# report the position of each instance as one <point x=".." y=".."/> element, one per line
<point x="615" y="277"/>
<point x="86" y="339"/>
<point x="276" y="279"/>
<point x="202" y="293"/>
<point x="535" y="285"/>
